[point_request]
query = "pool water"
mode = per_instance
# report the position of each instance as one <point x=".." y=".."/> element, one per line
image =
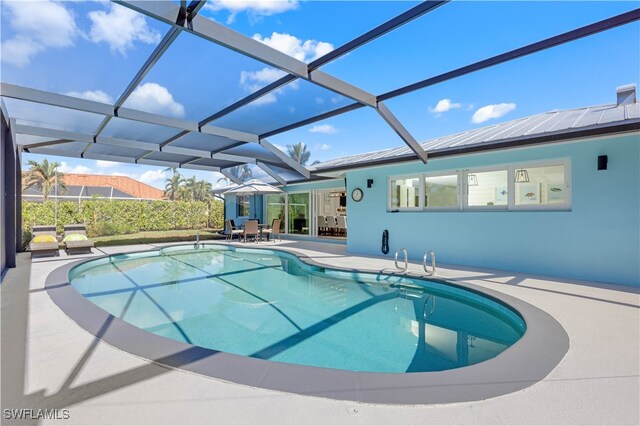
<point x="270" y="305"/>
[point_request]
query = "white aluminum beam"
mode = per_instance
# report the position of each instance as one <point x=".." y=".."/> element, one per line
<point x="62" y="137"/>
<point x="71" y="102"/>
<point x="52" y="133"/>
<point x="271" y="172"/>
<point x="285" y="158"/>
<point x="229" y="133"/>
<point x="150" y="118"/>
<point x="200" y="167"/>
<point x="54" y="99"/>
<point x="219" y="34"/>
<point x="327" y="81"/>
<point x="55" y="151"/>
<point x="395" y="124"/>
<point x="29" y="146"/>
<point x="247" y="46"/>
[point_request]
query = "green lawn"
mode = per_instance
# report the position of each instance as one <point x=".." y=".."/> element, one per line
<point x="157" y="237"/>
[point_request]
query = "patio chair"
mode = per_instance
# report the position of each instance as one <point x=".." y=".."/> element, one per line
<point x="251" y="228"/>
<point x="231" y="231"/>
<point x="342" y="225"/>
<point x="44" y="241"/>
<point x="322" y="224"/>
<point x="75" y="239"/>
<point x="332" y="226"/>
<point x="274" y="230"/>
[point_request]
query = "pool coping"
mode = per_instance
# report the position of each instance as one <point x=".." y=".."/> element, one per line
<point x="528" y="361"/>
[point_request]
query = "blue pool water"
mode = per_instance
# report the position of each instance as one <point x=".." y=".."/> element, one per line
<point x="268" y="304"/>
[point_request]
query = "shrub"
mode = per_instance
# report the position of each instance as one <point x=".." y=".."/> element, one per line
<point x="104" y="217"/>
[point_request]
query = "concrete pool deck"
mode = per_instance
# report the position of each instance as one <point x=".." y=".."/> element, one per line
<point x="48" y="361"/>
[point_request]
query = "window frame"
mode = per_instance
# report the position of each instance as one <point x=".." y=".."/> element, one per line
<point x="456" y="173"/>
<point x="463" y="188"/>
<point x="420" y="206"/>
<point x="465" y="192"/>
<point x="238" y="204"/>
<point x="565" y="206"/>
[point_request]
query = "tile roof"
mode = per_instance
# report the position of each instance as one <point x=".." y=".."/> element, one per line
<point x="553" y="123"/>
<point x="125" y="184"/>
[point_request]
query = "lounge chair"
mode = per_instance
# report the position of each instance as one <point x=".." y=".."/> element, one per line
<point x="231" y="231"/>
<point x="274" y="230"/>
<point x="44" y="241"/>
<point x="75" y="239"/>
<point x="251" y="228"/>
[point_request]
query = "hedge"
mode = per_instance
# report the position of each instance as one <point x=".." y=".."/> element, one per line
<point x="104" y="217"/>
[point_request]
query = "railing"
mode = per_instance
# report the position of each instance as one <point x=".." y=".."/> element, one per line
<point x="433" y="263"/>
<point x="406" y="260"/>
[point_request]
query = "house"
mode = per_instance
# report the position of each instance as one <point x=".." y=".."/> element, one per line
<point x="555" y="193"/>
<point x="87" y="186"/>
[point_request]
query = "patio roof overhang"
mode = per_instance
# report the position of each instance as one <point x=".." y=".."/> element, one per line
<point x="205" y="146"/>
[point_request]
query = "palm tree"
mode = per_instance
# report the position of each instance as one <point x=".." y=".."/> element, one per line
<point x="299" y="153"/>
<point x="202" y="190"/>
<point x="173" y="186"/>
<point x="191" y="188"/>
<point x="241" y="173"/>
<point x="43" y="177"/>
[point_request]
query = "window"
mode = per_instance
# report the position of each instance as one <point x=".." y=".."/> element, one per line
<point x="541" y="187"/>
<point x="299" y="204"/>
<point x="528" y="186"/>
<point x="405" y="193"/>
<point x="487" y="189"/>
<point x="441" y="191"/>
<point x="276" y="207"/>
<point x="244" y="205"/>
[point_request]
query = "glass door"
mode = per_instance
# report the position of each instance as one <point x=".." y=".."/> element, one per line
<point x="299" y="213"/>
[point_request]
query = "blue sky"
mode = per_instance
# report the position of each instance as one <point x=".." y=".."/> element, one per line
<point x="93" y="49"/>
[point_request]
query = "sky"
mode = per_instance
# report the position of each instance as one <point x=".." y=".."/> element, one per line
<point x="92" y="49"/>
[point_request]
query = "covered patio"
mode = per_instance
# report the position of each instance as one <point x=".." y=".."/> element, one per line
<point x="50" y="362"/>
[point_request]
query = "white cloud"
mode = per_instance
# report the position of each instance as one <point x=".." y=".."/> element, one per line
<point x="255" y="8"/>
<point x="65" y="168"/>
<point x="38" y="26"/>
<point x="492" y="111"/>
<point x="120" y="27"/>
<point x="328" y="129"/>
<point x="305" y="51"/>
<point x="151" y="177"/>
<point x="324" y="147"/>
<point x="444" y="105"/>
<point x="92" y="95"/>
<point x="152" y="97"/>
<point x="252" y="81"/>
<point x="106" y="164"/>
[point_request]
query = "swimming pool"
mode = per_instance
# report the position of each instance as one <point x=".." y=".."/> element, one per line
<point x="269" y="305"/>
<point x="527" y="361"/>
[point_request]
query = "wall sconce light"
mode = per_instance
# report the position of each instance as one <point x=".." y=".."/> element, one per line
<point x="522" y="176"/>
<point x="472" y="180"/>
<point x="369" y="183"/>
<point x="602" y="162"/>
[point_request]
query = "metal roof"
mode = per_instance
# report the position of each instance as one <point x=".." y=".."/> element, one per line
<point x="64" y="125"/>
<point x="544" y="127"/>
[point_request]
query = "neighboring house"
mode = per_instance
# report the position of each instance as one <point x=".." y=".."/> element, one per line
<point x="87" y="186"/>
<point x="556" y="193"/>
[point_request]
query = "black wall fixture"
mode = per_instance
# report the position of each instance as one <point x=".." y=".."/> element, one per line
<point x="369" y="183"/>
<point x="602" y="162"/>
